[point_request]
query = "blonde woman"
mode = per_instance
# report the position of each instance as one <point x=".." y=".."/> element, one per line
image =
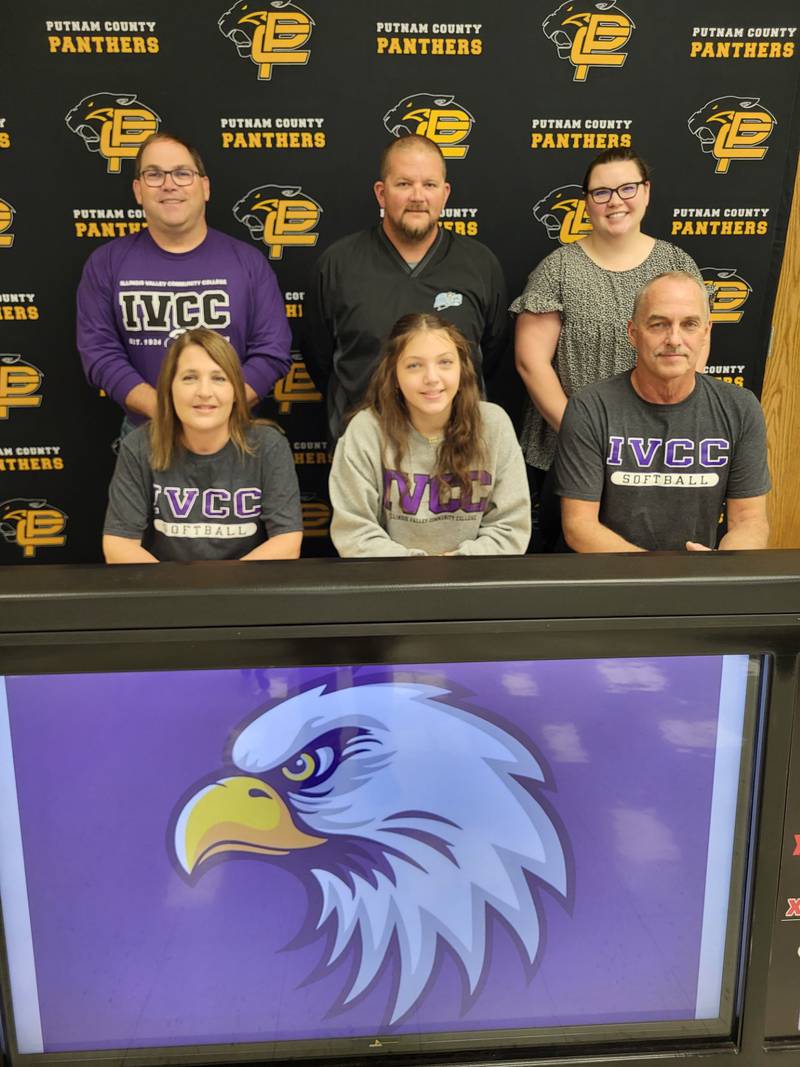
<point x="202" y="480"/>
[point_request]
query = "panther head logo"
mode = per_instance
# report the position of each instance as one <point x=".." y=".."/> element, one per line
<point x="20" y="384"/>
<point x="279" y="216"/>
<point x="406" y="116"/>
<point x="589" y="34"/>
<point x="705" y="123"/>
<point x="32" y="524"/>
<point x="727" y="293"/>
<point x="437" y="116"/>
<point x="113" y="124"/>
<point x="6" y="219"/>
<point x="268" y="32"/>
<point x="732" y="128"/>
<point x="9" y="511"/>
<point x="239" y="22"/>
<point x="562" y="212"/>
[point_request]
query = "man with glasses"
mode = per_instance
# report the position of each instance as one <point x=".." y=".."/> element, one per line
<point x="647" y="459"/>
<point x="138" y="293"/>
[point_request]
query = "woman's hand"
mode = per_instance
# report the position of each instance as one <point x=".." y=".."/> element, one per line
<point x="125" y="550"/>
<point x="281" y="546"/>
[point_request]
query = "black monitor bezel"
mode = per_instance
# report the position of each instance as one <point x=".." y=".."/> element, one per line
<point x="678" y="615"/>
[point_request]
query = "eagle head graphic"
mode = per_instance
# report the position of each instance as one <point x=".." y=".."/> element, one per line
<point x="412" y="823"/>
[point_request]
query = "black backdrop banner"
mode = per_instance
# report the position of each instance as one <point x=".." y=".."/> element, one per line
<point x="290" y="105"/>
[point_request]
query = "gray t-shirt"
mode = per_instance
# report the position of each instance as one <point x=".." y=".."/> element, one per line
<point x="595" y="305"/>
<point x="662" y="471"/>
<point x="219" y="506"/>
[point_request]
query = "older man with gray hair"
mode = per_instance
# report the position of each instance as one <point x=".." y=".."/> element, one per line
<point x="647" y="459"/>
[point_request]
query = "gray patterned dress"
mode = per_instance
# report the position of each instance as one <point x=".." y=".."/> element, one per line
<point x="595" y="305"/>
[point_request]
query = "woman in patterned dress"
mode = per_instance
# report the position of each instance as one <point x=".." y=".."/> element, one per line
<point x="573" y="313"/>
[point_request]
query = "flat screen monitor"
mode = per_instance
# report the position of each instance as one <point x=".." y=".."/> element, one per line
<point x="333" y="861"/>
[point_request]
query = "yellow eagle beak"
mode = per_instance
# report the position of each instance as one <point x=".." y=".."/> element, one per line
<point x="237" y="815"/>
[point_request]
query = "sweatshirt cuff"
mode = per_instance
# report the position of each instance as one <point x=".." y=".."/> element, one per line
<point x="123" y="385"/>
<point x="262" y="374"/>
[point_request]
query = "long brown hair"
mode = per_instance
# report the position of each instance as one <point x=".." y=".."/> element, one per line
<point x="462" y="447"/>
<point x="165" y="428"/>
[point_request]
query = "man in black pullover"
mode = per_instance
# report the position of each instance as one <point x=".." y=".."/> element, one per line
<point x="364" y="282"/>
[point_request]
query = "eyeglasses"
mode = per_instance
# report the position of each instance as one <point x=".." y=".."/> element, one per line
<point x="625" y="192"/>
<point x="154" y="176"/>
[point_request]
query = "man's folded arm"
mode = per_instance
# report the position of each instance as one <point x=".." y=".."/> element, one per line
<point x="748" y="526"/>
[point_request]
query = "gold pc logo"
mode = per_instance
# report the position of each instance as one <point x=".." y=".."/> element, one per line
<point x="316" y="516"/>
<point x="589" y="35"/>
<point x="296" y="387"/>
<point x="562" y="212"/>
<point x="733" y="128"/>
<point x="32" y="524"/>
<point x="438" y="117"/>
<point x="279" y="216"/>
<point x="20" y="383"/>
<point x="6" y="219"/>
<point x="727" y="293"/>
<point x="113" y="125"/>
<point x="270" y="34"/>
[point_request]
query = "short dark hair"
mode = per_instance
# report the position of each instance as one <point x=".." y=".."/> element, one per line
<point x="409" y="140"/>
<point x="617" y="155"/>
<point x="163" y="135"/>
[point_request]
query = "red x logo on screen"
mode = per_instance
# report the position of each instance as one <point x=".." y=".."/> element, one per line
<point x="794" y="908"/>
<point x="796" y="845"/>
